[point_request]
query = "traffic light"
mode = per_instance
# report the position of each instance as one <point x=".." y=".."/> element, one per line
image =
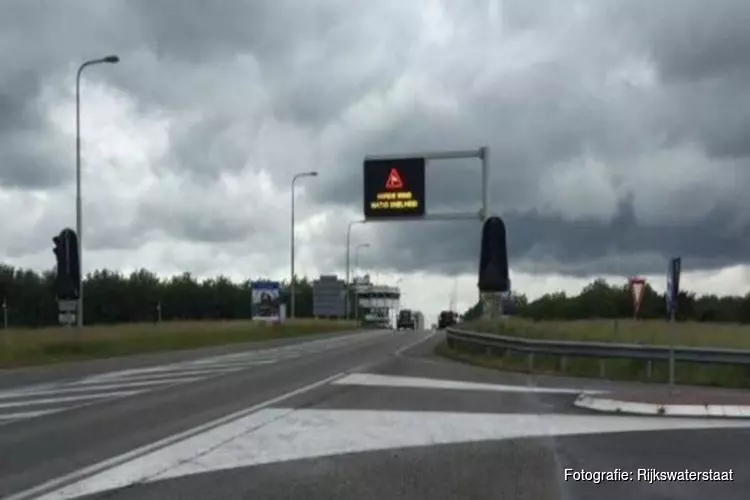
<point x="68" y="277"/>
<point x="493" y="258"/>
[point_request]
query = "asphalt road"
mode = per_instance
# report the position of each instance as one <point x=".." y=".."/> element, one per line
<point x="371" y="416"/>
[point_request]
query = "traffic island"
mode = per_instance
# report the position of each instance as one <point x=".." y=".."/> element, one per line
<point x="666" y="402"/>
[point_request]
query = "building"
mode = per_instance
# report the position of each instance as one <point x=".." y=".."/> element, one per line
<point x="375" y="304"/>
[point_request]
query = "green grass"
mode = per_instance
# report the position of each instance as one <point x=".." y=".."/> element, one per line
<point x="54" y="345"/>
<point x="623" y="330"/>
<point x="626" y="331"/>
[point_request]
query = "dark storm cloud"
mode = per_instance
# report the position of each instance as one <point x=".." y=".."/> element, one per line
<point x="26" y="158"/>
<point x="289" y="85"/>
<point x="554" y="114"/>
<point x="542" y="244"/>
<point x="28" y="162"/>
<point x="700" y="53"/>
<point x="691" y="40"/>
<point x="41" y="45"/>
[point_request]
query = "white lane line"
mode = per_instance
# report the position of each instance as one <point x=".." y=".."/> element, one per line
<point x="405" y="348"/>
<point x="144" y="371"/>
<point x="82" y="474"/>
<point x="133" y="380"/>
<point x="167" y="374"/>
<point x="102" y="387"/>
<point x="234" y="361"/>
<point x="26" y="414"/>
<point x="378" y="380"/>
<point x="152" y="376"/>
<point x="67" y="399"/>
<point x="166" y="369"/>
<point x="235" y="364"/>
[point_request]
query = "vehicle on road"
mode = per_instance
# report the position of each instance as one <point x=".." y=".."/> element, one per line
<point x="405" y="320"/>
<point x="447" y="319"/>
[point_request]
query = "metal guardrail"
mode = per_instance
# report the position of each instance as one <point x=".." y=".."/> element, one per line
<point x="600" y="350"/>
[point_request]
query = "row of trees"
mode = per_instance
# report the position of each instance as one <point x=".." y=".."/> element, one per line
<point x="115" y="298"/>
<point x="600" y="300"/>
<point x="111" y="297"/>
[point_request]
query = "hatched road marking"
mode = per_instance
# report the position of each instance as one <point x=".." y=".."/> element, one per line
<point x="35" y="401"/>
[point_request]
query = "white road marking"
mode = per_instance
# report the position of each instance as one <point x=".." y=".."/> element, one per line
<point x="166" y="370"/>
<point x="66" y="399"/>
<point x="279" y="435"/>
<point x="95" y="387"/>
<point x="153" y="376"/>
<point x="25" y="414"/>
<point x="49" y="487"/>
<point x="111" y="385"/>
<point x="261" y="360"/>
<point x="405" y="348"/>
<point x="378" y="380"/>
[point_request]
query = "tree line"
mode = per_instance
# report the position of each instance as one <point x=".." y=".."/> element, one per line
<point x="601" y="300"/>
<point x="112" y="297"/>
<point x="141" y="296"/>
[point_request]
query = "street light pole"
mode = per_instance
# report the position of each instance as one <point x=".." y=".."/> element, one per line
<point x="291" y="283"/>
<point x="113" y="59"/>
<point x="398" y="301"/>
<point x="356" y="266"/>
<point x="348" y="259"/>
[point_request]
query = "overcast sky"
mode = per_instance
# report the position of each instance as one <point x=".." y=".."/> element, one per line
<point x="619" y="134"/>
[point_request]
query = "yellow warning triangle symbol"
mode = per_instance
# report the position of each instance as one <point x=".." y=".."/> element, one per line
<point x="394" y="180"/>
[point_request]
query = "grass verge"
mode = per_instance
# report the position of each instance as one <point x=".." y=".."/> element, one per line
<point x="55" y="345"/>
<point x="628" y="331"/>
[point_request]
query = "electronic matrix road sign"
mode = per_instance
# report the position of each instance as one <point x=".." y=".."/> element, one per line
<point x="394" y="188"/>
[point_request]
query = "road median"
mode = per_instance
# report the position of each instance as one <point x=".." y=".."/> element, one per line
<point x="28" y="347"/>
<point x="670" y="402"/>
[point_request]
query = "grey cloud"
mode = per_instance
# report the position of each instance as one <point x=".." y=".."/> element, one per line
<point x="199" y="221"/>
<point x="699" y="53"/>
<point x="553" y="114"/>
<point x="39" y="40"/>
<point x="31" y="159"/>
<point x="27" y="155"/>
<point x="691" y="41"/>
<point x="288" y="85"/>
<point x="539" y="243"/>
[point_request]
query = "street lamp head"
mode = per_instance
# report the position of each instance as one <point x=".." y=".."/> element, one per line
<point x="113" y="59"/>
<point x="314" y="173"/>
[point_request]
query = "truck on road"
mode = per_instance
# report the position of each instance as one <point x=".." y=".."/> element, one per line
<point x="406" y="320"/>
<point x="447" y="319"/>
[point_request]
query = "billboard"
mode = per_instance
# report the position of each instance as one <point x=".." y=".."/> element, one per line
<point x="265" y="302"/>
<point x="394" y="188"/>
<point x="329" y="297"/>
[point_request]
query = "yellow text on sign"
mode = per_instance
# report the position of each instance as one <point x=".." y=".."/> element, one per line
<point x="400" y="195"/>
<point x="402" y="200"/>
